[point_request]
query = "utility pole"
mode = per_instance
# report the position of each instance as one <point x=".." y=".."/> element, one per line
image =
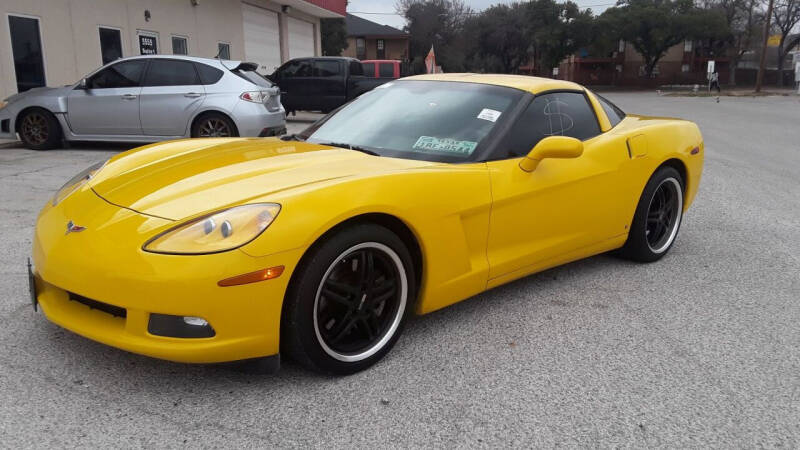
<point x="760" y="76"/>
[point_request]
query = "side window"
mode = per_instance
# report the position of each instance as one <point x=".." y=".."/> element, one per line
<point x="615" y="115"/>
<point x="120" y="75"/>
<point x="556" y="114"/>
<point x="369" y="69"/>
<point x="208" y="74"/>
<point x="386" y="70"/>
<point x="168" y="72"/>
<point x="356" y="69"/>
<point x="297" y="69"/>
<point x="327" y="68"/>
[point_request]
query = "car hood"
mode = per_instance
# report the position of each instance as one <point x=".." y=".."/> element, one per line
<point x="180" y="179"/>
<point x="40" y="92"/>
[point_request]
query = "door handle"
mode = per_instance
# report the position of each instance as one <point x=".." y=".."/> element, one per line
<point x="129" y="97"/>
<point x="192" y="94"/>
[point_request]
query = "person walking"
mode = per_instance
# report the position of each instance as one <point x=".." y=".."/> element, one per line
<point x="713" y="83"/>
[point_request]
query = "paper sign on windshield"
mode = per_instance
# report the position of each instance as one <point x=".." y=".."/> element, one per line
<point x="447" y="146"/>
<point x="489" y="114"/>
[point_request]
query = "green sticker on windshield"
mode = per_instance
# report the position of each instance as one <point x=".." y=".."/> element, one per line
<point x="445" y="145"/>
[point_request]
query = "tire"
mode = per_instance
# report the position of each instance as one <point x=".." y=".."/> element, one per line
<point x="340" y="319"/>
<point x="658" y="217"/>
<point x="39" y="129"/>
<point x="214" y="125"/>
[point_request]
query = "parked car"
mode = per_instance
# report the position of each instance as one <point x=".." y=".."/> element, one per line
<point x="321" y="84"/>
<point x="382" y="68"/>
<point x="147" y="99"/>
<point x="319" y="246"/>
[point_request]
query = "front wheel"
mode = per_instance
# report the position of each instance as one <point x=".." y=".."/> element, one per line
<point x="39" y="129"/>
<point x="349" y="301"/>
<point x="658" y="217"/>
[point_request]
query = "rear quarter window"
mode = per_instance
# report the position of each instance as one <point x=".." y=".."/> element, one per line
<point x="208" y="74"/>
<point x="369" y="69"/>
<point x="615" y="115"/>
<point x="386" y="70"/>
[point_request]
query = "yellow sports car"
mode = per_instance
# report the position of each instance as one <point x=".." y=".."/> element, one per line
<point x="319" y="246"/>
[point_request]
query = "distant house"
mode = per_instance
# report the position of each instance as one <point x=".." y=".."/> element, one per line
<point x="370" y="40"/>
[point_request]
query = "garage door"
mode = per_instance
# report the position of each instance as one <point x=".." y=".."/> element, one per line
<point x="301" y="38"/>
<point x="262" y="42"/>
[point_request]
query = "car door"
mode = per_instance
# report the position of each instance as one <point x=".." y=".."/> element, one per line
<point x="171" y="93"/>
<point x="294" y="79"/>
<point x="109" y="102"/>
<point x="564" y="205"/>
<point x="328" y="86"/>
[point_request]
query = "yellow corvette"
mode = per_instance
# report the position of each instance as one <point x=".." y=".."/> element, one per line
<point x="417" y="195"/>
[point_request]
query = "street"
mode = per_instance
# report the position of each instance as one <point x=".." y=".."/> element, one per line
<point x="700" y="349"/>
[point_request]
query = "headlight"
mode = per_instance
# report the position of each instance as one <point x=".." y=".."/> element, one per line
<point x="76" y="182"/>
<point x="218" y="232"/>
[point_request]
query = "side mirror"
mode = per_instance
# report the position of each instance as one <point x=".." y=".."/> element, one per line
<point x="551" y="147"/>
<point x="83" y="84"/>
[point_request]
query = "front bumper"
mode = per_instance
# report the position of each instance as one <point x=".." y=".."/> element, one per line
<point x="105" y="263"/>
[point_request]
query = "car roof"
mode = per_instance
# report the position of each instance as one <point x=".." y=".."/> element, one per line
<point x="530" y="84"/>
<point x="231" y="63"/>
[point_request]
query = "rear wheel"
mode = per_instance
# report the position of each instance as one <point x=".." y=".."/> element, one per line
<point x="349" y="301"/>
<point x="658" y="217"/>
<point x="214" y="125"/>
<point x="39" y="129"/>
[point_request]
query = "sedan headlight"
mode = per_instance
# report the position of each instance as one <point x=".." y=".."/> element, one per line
<point x="218" y="232"/>
<point x="76" y="182"/>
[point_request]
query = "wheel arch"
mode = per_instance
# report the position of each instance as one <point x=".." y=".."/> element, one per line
<point x="680" y="166"/>
<point x="27" y="109"/>
<point x="391" y="222"/>
<point x="199" y="115"/>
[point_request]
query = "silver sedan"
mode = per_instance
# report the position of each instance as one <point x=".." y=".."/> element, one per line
<point x="148" y="99"/>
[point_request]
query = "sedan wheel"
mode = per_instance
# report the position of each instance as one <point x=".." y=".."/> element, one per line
<point x="39" y="130"/>
<point x="214" y="125"/>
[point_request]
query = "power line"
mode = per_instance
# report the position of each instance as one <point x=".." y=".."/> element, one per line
<point x="472" y="12"/>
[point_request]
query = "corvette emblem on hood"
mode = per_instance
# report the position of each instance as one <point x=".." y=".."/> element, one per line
<point x="72" y="228"/>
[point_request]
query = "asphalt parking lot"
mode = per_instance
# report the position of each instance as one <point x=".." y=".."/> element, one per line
<point x="701" y="349"/>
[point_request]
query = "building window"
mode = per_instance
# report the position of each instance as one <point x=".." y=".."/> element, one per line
<point x="380" y="45"/>
<point x="179" y="45"/>
<point x="223" y="50"/>
<point x="621" y="46"/>
<point x="148" y="43"/>
<point x="687" y="46"/>
<point x="361" y="48"/>
<point x="685" y="68"/>
<point x="26" y="47"/>
<point x="110" y="44"/>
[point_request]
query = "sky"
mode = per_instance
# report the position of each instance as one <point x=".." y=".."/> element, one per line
<point x="387" y="16"/>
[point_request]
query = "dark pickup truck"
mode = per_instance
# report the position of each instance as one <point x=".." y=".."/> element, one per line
<point x="322" y="83"/>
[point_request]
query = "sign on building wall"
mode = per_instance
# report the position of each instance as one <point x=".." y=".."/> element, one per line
<point x="147" y="45"/>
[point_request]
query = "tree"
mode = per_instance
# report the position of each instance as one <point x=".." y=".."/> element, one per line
<point x="786" y="15"/>
<point x="334" y="36"/>
<point x="744" y="22"/>
<point x="497" y="39"/>
<point x="653" y="26"/>
<point x="557" y="30"/>
<point x="439" y="23"/>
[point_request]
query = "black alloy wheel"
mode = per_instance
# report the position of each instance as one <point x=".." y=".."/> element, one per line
<point x="658" y="217"/>
<point x="348" y="300"/>
<point x="214" y="126"/>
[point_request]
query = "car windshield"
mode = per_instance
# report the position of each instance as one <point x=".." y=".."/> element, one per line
<point x="425" y="120"/>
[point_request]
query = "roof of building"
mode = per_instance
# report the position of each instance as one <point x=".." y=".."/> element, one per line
<point x="356" y="26"/>
<point x="522" y="82"/>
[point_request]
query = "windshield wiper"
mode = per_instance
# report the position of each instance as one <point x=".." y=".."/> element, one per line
<point x="292" y="137"/>
<point x="350" y="147"/>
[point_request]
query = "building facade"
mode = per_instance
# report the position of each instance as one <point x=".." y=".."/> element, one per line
<point x="56" y="42"/>
<point x="370" y="40"/>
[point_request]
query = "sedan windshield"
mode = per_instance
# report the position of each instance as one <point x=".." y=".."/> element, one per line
<point x="425" y="120"/>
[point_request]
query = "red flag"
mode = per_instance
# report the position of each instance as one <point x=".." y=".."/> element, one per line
<point x="430" y="61"/>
